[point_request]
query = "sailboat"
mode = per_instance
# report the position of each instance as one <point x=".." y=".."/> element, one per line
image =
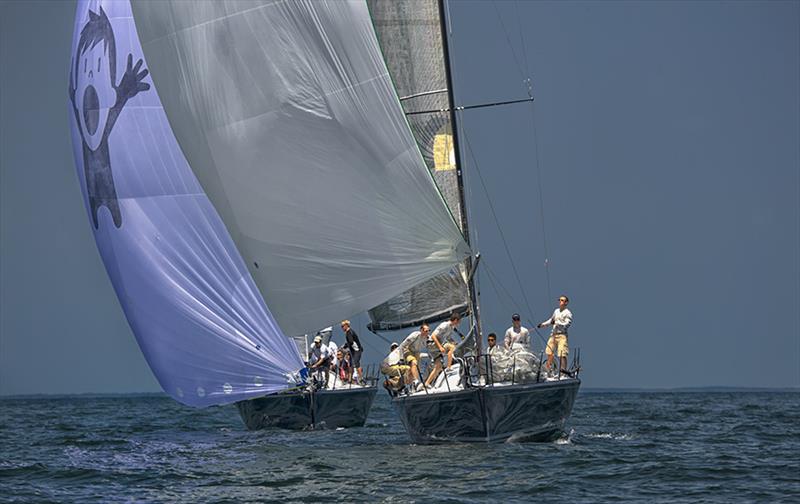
<point x="255" y="170"/>
<point x="249" y="175"/>
<point x="481" y="397"/>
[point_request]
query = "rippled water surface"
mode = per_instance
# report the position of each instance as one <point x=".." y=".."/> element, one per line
<point x="657" y="447"/>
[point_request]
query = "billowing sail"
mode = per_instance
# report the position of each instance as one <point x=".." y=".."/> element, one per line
<point x="287" y="115"/>
<point x="410" y="34"/>
<point x="191" y="303"/>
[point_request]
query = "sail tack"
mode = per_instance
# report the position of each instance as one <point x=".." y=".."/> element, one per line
<point x="410" y="35"/>
<point x="287" y="115"/>
<point x="197" y="315"/>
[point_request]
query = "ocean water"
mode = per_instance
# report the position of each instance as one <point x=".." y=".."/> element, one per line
<point x="621" y="446"/>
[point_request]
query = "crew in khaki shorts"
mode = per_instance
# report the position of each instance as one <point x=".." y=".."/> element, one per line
<point x="561" y="320"/>
<point x="441" y="342"/>
<point x="395" y="369"/>
<point x="411" y="348"/>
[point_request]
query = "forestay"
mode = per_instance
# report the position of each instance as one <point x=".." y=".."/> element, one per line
<point x="410" y="35"/>
<point x="196" y="313"/>
<point x="287" y="115"/>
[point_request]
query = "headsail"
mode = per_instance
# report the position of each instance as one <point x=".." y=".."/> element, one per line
<point x="190" y="301"/>
<point x="287" y="115"/>
<point x="410" y="35"/>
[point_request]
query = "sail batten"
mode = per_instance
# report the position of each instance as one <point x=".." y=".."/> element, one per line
<point x="288" y="117"/>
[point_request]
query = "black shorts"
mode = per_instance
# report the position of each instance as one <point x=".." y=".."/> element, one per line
<point x="355" y="358"/>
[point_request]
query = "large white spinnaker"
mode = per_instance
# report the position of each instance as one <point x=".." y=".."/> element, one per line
<point x="288" y="117"/>
<point x="197" y="315"/>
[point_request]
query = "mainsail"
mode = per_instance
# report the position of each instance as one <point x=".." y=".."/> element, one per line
<point x="410" y="35"/>
<point x="198" y="317"/>
<point x="288" y="117"/>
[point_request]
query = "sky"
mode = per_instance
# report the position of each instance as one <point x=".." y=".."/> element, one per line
<point x="664" y="141"/>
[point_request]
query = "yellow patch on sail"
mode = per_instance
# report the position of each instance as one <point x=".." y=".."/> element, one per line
<point x="444" y="157"/>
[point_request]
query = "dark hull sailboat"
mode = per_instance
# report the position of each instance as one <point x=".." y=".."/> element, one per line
<point x="414" y="38"/>
<point x="527" y="412"/>
<point x="302" y="410"/>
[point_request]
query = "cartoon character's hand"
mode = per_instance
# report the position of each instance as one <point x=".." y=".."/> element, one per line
<point x="131" y="82"/>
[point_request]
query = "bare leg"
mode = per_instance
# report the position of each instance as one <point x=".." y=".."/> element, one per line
<point x="563" y="363"/>
<point x="437" y="367"/>
<point x="549" y="362"/>
<point x="414" y="372"/>
<point x="450" y="357"/>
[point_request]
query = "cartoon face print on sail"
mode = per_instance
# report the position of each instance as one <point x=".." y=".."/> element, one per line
<point x="97" y="100"/>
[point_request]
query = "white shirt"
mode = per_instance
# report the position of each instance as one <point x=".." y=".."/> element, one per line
<point x="394" y="357"/>
<point x="332" y="349"/>
<point x="318" y="352"/>
<point x="413" y="344"/>
<point x="443" y="332"/>
<point x="561" y="321"/>
<point x="521" y="338"/>
<point x="491" y="350"/>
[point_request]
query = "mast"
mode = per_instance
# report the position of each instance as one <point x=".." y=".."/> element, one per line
<point x="473" y="297"/>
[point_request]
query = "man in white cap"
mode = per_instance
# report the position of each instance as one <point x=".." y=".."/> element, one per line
<point x="319" y="357"/>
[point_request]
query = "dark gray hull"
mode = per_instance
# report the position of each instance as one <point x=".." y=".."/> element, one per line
<point x="532" y="412"/>
<point x="303" y="410"/>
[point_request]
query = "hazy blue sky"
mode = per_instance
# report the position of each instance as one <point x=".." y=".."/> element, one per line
<point x="669" y="152"/>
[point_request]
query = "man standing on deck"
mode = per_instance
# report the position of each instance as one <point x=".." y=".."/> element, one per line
<point x="440" y="342"/>
<point x="353" y="344"/>
<point x="517" y="337"/>
<point x="561" y="320"/>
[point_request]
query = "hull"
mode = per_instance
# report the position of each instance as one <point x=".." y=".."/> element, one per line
<point x="303" y="410"/>
<point x="533" y="412"/>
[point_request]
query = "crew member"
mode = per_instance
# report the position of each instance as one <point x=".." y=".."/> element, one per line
<point x="561" y="320"/>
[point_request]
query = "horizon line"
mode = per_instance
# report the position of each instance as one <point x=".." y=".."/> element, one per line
<point x="698" y="388"/>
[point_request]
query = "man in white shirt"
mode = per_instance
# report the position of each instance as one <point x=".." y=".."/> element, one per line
<point x="411" y="348"/>
<point x="319" y="358"/>
<point x="440" y="342"/>
<point x="395" y="369"/>
<point x="491" y="349"/>
<point x="561" y="320"/>
<point x="333" y="348"/>
<point x="517" y="337"/>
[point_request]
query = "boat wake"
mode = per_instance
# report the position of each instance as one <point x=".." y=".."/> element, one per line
<point x="608" y="435"/>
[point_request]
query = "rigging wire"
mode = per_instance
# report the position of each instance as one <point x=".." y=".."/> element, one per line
<point x="497" y="222"/>
<point x="462" y="130"/>
<point x="527" y="80"/>
<point x="510" y="45"/>
<point x="514" y="302"/>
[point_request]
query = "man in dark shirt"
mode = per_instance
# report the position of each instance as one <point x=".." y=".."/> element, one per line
<point x="353" y="344"/>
